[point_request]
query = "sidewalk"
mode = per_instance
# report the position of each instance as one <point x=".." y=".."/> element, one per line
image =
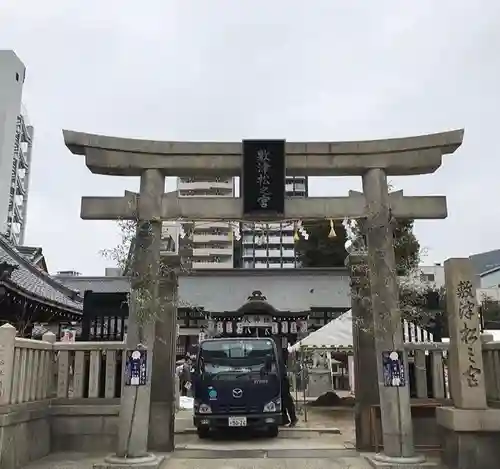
<point x="82" y="461"/>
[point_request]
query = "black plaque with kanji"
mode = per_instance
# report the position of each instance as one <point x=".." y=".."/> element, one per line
<point x="263" y="178"/>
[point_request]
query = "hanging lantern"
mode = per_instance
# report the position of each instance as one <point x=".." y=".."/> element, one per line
<point x="293" y="327"/>
<point x="284" y="327"/>
<point x="220" y="327"/>
<point x="210" y="325"/>
<point x="332" y="233"/>
<point x="229" y="327"/>
<point x="201" y="336"/>
<point x="274" y="328"/>
<point x="303" y="326"/>
<point x="239" y="328"/>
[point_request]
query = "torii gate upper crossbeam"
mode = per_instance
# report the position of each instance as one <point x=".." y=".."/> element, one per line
<point x="130" y="157"/>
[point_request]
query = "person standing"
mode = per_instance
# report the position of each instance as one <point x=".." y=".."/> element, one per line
<point x="185" y="377"/>
<point x="287" y="404"/>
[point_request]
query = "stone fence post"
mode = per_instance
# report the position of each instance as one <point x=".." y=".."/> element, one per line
<point x="466" y="371"/>
<point x="469" y="430"/>
<point x="52" y="371"/>
<point x="7" y="346"/>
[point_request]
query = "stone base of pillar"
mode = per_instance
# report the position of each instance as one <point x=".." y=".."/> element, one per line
<point x="381" y="461"/>
<point x="469" y="437"/>
<point x="150" y="461"/>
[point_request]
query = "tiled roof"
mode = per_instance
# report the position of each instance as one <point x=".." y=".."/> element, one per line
<point x="28" y="251"/>
<point x="30" y="279"/>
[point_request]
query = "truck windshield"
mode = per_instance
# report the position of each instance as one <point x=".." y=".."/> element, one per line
<point x="237" y="357"/>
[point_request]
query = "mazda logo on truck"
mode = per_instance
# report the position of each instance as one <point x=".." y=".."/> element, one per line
<point x="237" y="393"/>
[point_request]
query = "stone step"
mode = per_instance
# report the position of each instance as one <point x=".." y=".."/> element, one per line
<point x="276" y="453"/>
<point x="284" y="431"/>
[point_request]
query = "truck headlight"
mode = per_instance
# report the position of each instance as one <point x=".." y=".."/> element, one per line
<point x="273" y="406"/>
<point x="204" y="409"/>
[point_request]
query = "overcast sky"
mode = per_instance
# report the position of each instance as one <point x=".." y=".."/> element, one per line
<point x="234" y="69"/>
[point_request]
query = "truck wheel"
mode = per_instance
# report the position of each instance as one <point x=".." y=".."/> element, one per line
<point x="273" y="431"/>
<point x="203" y="432"/>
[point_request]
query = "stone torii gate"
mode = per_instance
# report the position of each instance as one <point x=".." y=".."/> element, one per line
<point x="374" y="160"/>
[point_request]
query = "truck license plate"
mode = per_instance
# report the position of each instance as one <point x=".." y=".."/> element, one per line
<point x="237" y="421"/>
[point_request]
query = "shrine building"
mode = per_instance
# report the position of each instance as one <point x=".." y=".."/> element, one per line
<point x="284" y="303"/>
<point x="30" y="299"/>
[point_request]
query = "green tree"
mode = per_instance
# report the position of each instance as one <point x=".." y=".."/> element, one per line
<point x="323" y="250"/>
<point x="490" y="310"/>
<point x="320" y="250"/>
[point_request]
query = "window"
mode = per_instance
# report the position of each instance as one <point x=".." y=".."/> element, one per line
<point x="427" y="277"/>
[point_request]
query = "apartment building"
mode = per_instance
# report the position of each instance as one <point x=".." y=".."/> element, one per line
<point x="271" y="245"/>
<point x="207" y="245"/>
<point x="16" y="142"/>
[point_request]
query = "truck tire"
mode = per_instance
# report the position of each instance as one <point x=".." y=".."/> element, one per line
<point x="273" y="431"/>
<point x="203" y="432"/>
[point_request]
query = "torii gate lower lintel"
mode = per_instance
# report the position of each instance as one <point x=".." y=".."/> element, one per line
<point x="373" y="160"/>
<point x="231" y="209"/>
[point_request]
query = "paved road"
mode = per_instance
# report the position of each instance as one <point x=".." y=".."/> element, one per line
<point x="269" y="463"/>
<point x="310" y="451"/>
<point x="341" y="461"/>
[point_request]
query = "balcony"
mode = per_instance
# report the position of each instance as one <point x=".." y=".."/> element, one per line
<point x="297" y="187"/>
<point x="204" y="252"/>
<point x="212" y="237"/>
<point x="20" y="189"/>
<point x="22" y="159"/>
<point x="213" y="265"/>
<point x="18" y="213"/>
<point x="260" y="253"/>
<point x="205" y="225"/>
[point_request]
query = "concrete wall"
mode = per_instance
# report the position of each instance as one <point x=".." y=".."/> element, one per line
<point x="32" y="430"/>
<point x="228" y="290"/>
<point x="85" y="427"/>
<point x="24" y="433"/>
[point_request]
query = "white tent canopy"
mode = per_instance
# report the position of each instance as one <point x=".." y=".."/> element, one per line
<point x="336" y="334"/>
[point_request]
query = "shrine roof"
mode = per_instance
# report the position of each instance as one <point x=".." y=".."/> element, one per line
<point x="32" y="282"/>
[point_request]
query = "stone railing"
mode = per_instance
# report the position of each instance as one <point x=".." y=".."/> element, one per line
<point x="25" y="367"/>
<point x="89" y="369"/>
<point x="32" y="365"/>
<point x="491" y="363"/>
<point x="428" y="367"/>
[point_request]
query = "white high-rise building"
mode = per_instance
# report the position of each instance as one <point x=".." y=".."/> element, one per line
<point x="209" y="245"/>
<point x="271" y="245"/>
<point x="16" y="140"/>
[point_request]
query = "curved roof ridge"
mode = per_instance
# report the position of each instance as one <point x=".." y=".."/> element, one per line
<point x="12" y="251"/>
